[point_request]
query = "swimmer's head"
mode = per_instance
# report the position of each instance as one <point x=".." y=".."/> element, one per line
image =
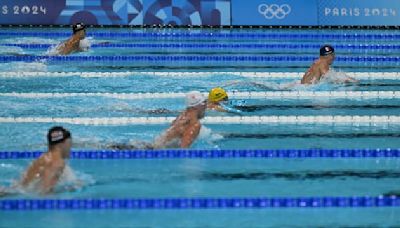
<point x="196" y="100"/>
<point x="326" y="50"/>
<point x="59" y="136"/>
<point x="76" y="28"/>
<point x="217" y="94"/>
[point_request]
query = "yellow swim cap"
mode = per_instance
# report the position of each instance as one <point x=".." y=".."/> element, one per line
<point x="217" y="94"/>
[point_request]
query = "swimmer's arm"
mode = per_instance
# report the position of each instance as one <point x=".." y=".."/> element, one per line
<point x="50" y="179"/>
<point x="76" y="183"/>
<point x="323" y="70"/>
<point x="218" y="108"/>
<point x="189" y="135"/>
<point x="69" y="46"/>
<point x="349" y="79"/>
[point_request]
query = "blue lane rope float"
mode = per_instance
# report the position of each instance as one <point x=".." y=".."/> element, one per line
<point x="200" y="203"/>
<point x="215" y="154"/>
<point x="195" y="58"/>
<point x="230" y="35"/>
<point x="342" y="47"/>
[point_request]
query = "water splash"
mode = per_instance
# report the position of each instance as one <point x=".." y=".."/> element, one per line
<point x="39" y="66"/>
<point x="84" y="45"/>
<point x="5" y="50"/>
<point x="72" y="180"/>
<point x="30" y="40"/>
<point x="206" y="134"/>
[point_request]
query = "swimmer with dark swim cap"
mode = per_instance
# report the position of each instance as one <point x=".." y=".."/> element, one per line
<point x="44" y="173"/>
<point x="320" y="68"/>
<point x="76" y="43"/>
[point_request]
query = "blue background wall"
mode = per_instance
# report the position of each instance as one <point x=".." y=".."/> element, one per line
<point x="202" y="12"/>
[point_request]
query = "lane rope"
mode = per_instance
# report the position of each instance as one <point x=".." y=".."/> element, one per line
<point x="288" y="46"/>
<point x="242" y="120"/>
<point x="208" y="35"/>
<point x="215" y="154"/>
<point x="270" y="95"/>
<point x="266" y="75"/>
<point x="196" y="58"/>
<point x="200" y="203"/>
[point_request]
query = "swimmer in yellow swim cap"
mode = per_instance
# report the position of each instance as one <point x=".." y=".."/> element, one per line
<point x="218" y="101"/>
<point x="215" y="97"/>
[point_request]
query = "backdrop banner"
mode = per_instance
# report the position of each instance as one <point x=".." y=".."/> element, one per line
<point x="274" y="12"/>
<point x="200" y="12"/>
<point x="359" y="12"/>
<point x="116" y="12"/>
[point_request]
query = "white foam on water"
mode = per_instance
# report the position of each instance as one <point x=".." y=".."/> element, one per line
<point x="30" y="40"/>
<point x="84" y="44"/>
<point x="5" y="50"/>
<point x="28" y="67"/>
<point x="72" y="180"/>
<point x="206" y="134"/>
<point x="54" y="50"/>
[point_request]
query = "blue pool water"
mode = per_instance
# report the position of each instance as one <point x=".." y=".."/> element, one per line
<point x="146" y="56"/>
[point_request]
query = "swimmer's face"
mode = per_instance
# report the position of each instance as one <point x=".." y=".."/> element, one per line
<point x="202" y="109"/>
<point x="331" y="58"/>
<point x="225" y="100"/>
<point x="81" y="34"/>
<point x="66" y="147"/>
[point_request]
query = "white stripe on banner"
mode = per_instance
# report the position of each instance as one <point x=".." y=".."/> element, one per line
<point x="232" y="94"/>
<point x="267" y="75"/>
<point x="324" y="119"/>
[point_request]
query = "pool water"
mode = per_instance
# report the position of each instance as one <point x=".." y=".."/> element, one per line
<point x="137" y="73"/>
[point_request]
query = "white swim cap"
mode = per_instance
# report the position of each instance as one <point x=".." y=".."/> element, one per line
<point x="194" y="98"/>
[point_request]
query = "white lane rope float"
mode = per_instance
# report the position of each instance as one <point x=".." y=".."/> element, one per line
<point x="241" y="120"/>
<point x="266" y="75"/>
<point x="232" y="94"/>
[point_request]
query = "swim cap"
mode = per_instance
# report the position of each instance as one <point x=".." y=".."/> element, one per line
<point x="326" y="50"/>
<point x="78" y="27"/>
<point x="217" y="94"/>
<point x="57" y="135"/>
<point x="194" y="98"/>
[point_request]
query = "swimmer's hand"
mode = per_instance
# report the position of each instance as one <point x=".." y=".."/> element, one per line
<point x="229" y="109"/>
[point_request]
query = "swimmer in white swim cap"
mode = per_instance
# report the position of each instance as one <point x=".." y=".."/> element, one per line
<point x="76" y="42"/>
<point x="186" y="127"/>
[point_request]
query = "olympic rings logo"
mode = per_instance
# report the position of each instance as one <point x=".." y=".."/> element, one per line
<point x="273" y="10"/>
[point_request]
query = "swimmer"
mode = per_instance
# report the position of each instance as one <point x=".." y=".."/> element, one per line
<point x="218" y="101"/>
<point x="186" y="127"/>
<point x="76" y="42"/>
<point x="45" y="172"/>
<point x="320" y="68"/>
